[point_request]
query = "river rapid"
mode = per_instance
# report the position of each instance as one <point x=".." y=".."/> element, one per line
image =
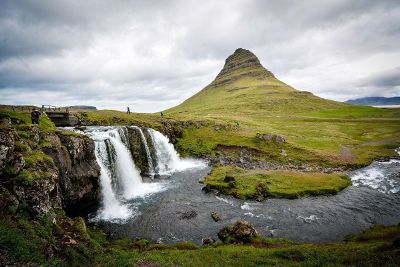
<point x="172" y="207"/>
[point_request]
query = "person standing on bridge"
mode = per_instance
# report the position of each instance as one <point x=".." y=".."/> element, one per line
<point x="35" y="115"/>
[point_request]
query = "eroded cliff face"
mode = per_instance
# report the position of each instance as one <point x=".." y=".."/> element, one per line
<point x="78" y="170"/>
<point x="44" y="171"/>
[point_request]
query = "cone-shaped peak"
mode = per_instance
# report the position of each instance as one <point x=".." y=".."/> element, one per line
<point x="241" y="58"/>
<point x="240" y="64"/>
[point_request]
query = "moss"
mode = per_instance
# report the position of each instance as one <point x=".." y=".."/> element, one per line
<point x="17" y="245"/>
<point x="290" y="254"/>
<point x="21" y="147"/>
<point x="185" y="246"/>
<point x="259" y="184"/>
<point x="38" y="158"/>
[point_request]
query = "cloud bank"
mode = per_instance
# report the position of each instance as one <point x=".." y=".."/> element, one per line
<point x="152" y="55"/>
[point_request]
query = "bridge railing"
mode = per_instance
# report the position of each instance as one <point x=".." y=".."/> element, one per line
<point x="49" y="108"/>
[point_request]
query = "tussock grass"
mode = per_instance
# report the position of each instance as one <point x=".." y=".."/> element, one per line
<point x="259" y="184"/>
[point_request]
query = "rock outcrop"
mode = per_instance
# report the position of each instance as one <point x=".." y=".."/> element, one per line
<point x="278" y="139"/>
<point x="43" y="171"/>
<point x="240" y="232"/>
<point x="138" y="149"/>
<point x="77" y="168"/>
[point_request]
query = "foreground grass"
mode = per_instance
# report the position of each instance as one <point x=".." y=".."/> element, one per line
<point x="259" y="184"/>
<point x="46" y="243"/>
<point x="376" y="246"/>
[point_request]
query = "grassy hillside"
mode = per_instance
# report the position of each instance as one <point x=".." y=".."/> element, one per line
<point x="251" y="100"/>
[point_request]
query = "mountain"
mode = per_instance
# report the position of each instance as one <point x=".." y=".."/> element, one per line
<point x="244" y="86"/>
<point x="375" y="101"/>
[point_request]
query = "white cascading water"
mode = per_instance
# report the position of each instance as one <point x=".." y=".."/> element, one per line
<point x="148" y="155"/>
<point x="112" y="207"/>
<point x="131" y="183"/>
<point x="168" y="160"/>
<point x="120" y="178"/>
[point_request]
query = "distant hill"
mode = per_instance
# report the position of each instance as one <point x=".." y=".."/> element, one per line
<point x="83" y="107"/>
<point x="245" y="87"/>
<point x="375" y="101"/>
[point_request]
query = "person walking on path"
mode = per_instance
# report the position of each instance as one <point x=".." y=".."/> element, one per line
<point x="35" y="115"/>
<point x="128" y="111"/>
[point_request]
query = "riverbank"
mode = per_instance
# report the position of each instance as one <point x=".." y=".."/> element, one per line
<point x="260" y="184"/>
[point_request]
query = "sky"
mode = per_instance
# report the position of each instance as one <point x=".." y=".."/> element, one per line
<point x="152" y="55"/>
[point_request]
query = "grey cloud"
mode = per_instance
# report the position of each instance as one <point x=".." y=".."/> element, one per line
<point x="156" y="53"/>
<point x="389" y="78"/>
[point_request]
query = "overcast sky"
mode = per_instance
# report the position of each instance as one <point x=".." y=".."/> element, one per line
<point x="152" y="55"/>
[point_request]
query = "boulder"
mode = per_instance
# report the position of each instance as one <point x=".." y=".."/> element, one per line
<point x="278" y="139"/>
<point x="240" y="232"/>
<point x="208" y="241"/>
<point x="215" y="216"/>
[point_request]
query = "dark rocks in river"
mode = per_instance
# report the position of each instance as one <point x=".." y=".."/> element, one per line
<point x="208" y="241"/>
<point x="230" y="180"/>
<point x="215" y="216"/>
<point x="187" y="215"/>
<point x="208" y="189"/>
<point x="240" y="232"/>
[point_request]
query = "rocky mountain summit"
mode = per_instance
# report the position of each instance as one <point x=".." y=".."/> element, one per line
<point x="240" y="64"/>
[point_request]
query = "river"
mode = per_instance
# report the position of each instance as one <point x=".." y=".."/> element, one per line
<point x="173" y="207"/>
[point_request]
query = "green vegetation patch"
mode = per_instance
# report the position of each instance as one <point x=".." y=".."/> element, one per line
<point x="260" y="184"/>
<point x="24" y="119"/>
<point x="38" y="165"/>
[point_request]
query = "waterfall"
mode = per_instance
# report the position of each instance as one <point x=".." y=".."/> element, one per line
<point x="112" y="208"/>
<point x="148" y="155"/>
<point x="129" y="176"/>
<point x="168" y="160"/>
<point x="120" y="179"/>
<point x="167" y="157"/>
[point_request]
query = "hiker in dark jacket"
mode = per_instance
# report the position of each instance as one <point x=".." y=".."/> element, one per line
<point x="35" y="115"/>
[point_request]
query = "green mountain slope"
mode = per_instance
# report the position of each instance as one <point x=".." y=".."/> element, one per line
<point x="245" y="87"/>
<point x="248" y="99"/>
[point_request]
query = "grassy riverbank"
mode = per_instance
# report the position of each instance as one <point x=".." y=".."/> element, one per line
<point x="260" y="184"/>
<point x="69" y="242"/>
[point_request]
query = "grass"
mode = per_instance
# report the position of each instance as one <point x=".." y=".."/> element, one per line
<point x="29" y="241"/>
<point x="364" y="251"/>
<point x="23" y="119"/>
<point x="259" y="184"/>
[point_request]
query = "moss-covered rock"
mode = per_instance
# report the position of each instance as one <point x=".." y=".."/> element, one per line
<point x="241" y="232"/>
